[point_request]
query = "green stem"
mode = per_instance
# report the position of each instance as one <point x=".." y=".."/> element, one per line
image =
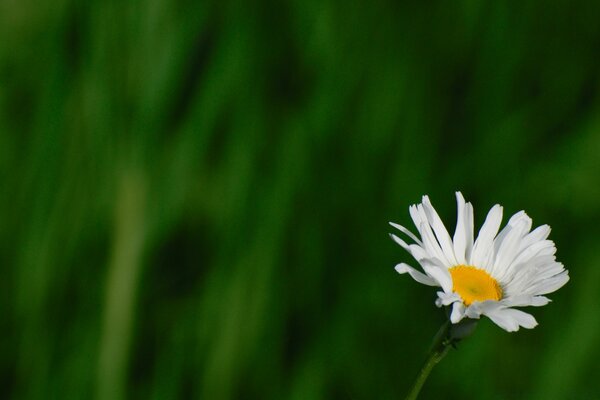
<point x="441" y="345"/>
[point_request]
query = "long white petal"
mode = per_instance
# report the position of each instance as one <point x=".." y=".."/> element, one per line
<point x="525" y="300"/>
<point x="517" y="219"/>
<point x="440" y="230"/>
<point x="528" y="277"/>
<point x="419" y="218"/>
<point x="418" y="252"/>
<point x="538" y="234"/>
<point x="550" y="285"/>
<point x="469" y="232"/>
<point x="400" y="242"/>
<point x="414" y="249"/>
<point x="507" y="251"/>
<point x="416" y="275"/>
<point x="534" y="250"/>
<point x="485" y="239"/>
<point x="431" y="245"/>
<point x="407" y="233"/>
<point x="460" y="234"/>
<point x="439" y="273"/>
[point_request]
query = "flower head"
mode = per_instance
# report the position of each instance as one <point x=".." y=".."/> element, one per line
<point x="489" y="275"/>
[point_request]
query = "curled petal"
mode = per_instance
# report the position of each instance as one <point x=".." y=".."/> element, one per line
<point x="445" y="299"/>
<point x="458" y="312"/>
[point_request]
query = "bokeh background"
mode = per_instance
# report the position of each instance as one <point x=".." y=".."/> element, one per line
<point x="195" y="195"/>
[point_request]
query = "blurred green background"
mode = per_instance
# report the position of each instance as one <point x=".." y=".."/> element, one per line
<point x="195" y="195"/>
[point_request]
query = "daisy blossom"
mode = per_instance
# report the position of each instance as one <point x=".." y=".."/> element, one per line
<point x="488" y="275"/>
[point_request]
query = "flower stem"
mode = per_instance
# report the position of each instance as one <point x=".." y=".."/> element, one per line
<point x="441" y="345"/>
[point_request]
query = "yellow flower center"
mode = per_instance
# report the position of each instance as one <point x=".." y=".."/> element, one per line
<point x="474" y="284"/>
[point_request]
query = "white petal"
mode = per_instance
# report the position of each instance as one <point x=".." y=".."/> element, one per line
<point x="524" y="319"/>
<point x="416" y="216"/>
<point x="528" y="278"/>
<point x="416" y="275"/>
<point x="551" y="284"/>
<point x="458" y="313"/>
<point x="510" y="319"/>
<point x="440" y="230"/>
<point x="431" y="245"/>
<point x="469" y="231"/>
<point x="543" y="269"/>
<point x="519" y="218"/>
<point x="417" y="252"/>
<point x="539" y="301"/>
<point x="538" y="234"/>
<point x="507" y="251"/>
<point x="406" y="232"/>
<point x="485" y="239"/>
<point x="414" y="249"/>
<point x="400" y="242"/>
<point x="460" y="234"/>
<point x="504" y="322"/>
<point x="445" y="299"/>
<point x="439" y="273"/>
<point x="478" y="308"/>
<point x="534" y="250"/>
<point x="525" y="300"/>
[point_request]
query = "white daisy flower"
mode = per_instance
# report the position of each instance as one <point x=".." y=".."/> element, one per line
<point x="489" y="275"/>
